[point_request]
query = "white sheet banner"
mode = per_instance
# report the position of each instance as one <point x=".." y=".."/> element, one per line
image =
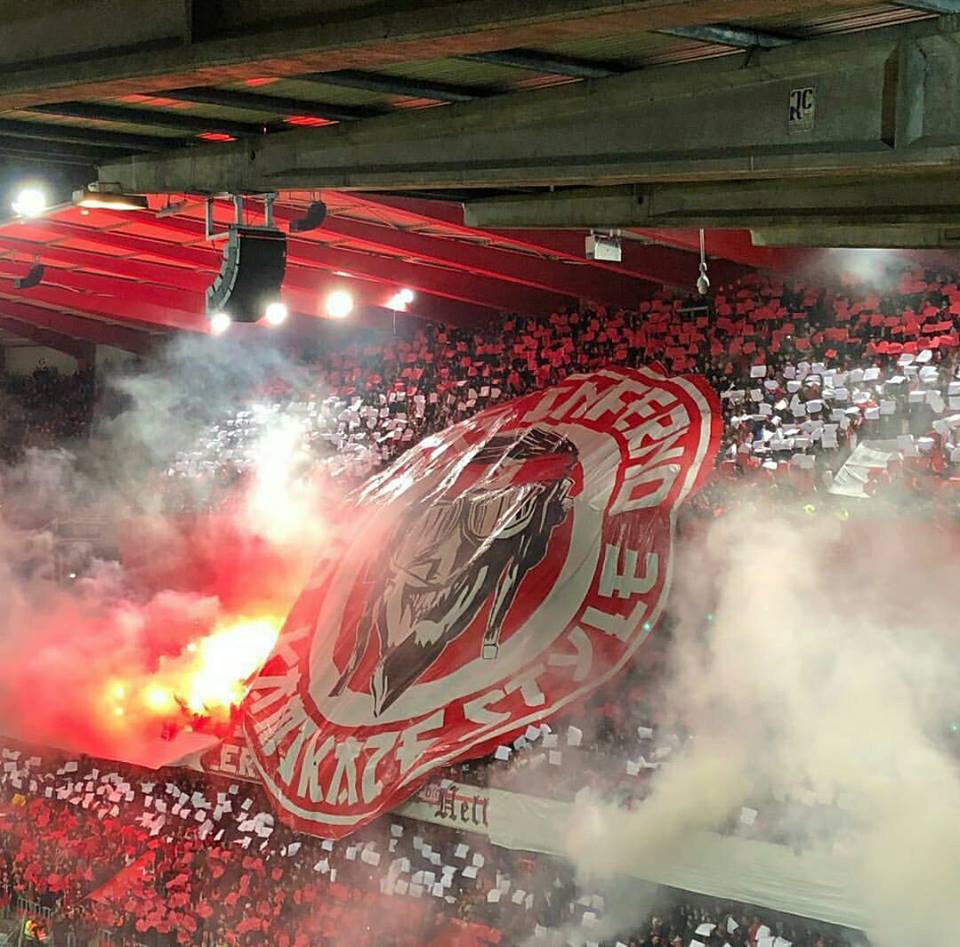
<point x="809" y="884"/>
<point x="854" y="475"/>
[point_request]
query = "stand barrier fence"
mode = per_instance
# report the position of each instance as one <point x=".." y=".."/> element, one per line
<point x="21" y="907"/>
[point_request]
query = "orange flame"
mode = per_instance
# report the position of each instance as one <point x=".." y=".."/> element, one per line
<point x="224" y="662"/>
<point x="207" y="679"/>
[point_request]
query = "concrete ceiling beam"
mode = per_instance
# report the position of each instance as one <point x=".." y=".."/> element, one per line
<point x="760" y="204"/>
<point x="161" y="45"/>
<point x="888" y="102"/>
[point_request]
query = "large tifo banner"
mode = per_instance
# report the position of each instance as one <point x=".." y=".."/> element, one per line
<point x="495" y="573"/>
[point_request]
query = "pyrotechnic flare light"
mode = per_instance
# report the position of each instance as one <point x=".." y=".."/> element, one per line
<point x="159" y="699"/>
<point x="209" y="677"/>
<point x="225" y="661"/>
<point x="339" y="304"/>
<point x="407" y="295"/>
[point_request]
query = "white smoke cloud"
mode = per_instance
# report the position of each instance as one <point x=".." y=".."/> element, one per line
<point x="829" y="669"/>
<point x="126" y="622"/>
<point x="286" y="490"/>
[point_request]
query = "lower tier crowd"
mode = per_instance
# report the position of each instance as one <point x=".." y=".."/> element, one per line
<point x="166" y="858"/>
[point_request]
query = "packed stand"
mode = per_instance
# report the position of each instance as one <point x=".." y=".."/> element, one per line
<point x="165" y="858"/>
<point x="612" y="747"/>
<point x="804" y="374"/>
<point x="43" y="409"/>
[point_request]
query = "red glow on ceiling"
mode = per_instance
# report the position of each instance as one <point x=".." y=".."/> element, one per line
<point x="544" y="82"/>
<point x="411" y="103"/>
<point x="216" y="136"/>
<point x="264" y="80"/>
<point x="311" y="121"/>
<point x="155" y="100"/>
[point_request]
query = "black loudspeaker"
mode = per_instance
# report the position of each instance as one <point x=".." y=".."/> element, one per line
<point x="313" y="218"/>
<point x="254" y="261"/>
<point x="33" y="277"/>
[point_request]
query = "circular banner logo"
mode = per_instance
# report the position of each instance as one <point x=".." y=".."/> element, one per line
<point x="495" y="573"/>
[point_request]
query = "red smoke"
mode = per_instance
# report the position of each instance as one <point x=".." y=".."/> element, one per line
<point x="161" y="646"/>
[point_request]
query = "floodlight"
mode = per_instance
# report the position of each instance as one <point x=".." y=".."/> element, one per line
<point x="219" y="323"/>
<point x="339" y="304"/>
<point x="276" y="313"/>
<point x="30" y="202"/>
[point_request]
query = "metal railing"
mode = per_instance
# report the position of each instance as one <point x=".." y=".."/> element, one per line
<point x="107" y="938"/>
<point x="23" y="906"/>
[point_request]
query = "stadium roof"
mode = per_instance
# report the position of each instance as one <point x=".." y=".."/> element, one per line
<point x="511" y="111"/>
<point x="86" y="90"/>
<point x="122" y="278"/>
<point x="496" y="100"/>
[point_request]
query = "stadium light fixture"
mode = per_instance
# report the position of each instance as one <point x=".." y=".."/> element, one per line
<point x="339" y="304"/>
<point x="103" y="197"/>
<point x="30" y="202"/>
<point x="276" y="313"/>
<point x="401" y="299"/>
<point x="604" y="246"/>
<point x="219" y="323"/>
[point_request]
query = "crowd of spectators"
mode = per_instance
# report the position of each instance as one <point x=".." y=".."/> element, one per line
<point x="612" y="747"/>
<point x="43" y="409"/>
<point x="169" y="857"/>
<point x="805" y="373"/>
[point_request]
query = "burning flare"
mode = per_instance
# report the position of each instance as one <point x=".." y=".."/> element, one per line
<point x="205" y="682"/>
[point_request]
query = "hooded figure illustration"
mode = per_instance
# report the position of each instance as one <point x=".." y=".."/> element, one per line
<point x="448" y="555"/>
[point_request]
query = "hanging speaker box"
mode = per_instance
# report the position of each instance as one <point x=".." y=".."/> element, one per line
<point x="254" y="261"/>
